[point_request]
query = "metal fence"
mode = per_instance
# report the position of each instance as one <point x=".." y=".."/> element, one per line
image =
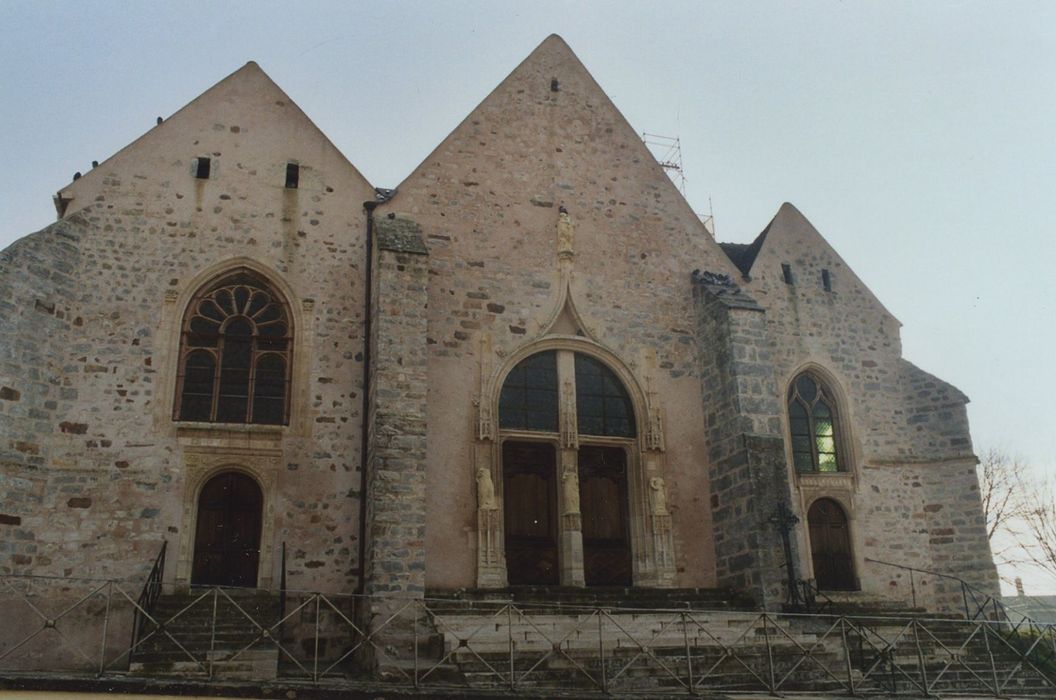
<point x="102" y="628"/>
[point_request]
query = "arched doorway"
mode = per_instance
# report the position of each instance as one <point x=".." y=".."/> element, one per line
<point x="227" y="537"/>
<point x="567" y="425"/>
<point x="830" y="546"/>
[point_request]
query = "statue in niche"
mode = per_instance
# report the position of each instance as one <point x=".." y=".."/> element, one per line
<point x="570" y="491"/>
<point x="657" y="496"/>
<point x="565" y="233"/>
<point x="486" y="490"/>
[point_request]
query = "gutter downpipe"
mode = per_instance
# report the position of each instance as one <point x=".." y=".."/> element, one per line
<point x="368" y="300"/>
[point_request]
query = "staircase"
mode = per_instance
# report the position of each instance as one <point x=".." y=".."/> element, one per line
<point x="214" y="633"/>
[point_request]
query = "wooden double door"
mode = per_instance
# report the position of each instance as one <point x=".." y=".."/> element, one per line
<point x="532" y="515"/>
<point x="227" y="536"/>
<point x="830" y="546"/>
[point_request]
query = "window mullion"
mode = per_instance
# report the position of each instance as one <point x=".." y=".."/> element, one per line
<point x="216" y="378"/>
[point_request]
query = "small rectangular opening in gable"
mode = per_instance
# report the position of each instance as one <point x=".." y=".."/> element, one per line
<point x="826" y="280"/>
<point x="786" y="273"/>
<point x="293" y="175"/>
<point x="201" y="168"/>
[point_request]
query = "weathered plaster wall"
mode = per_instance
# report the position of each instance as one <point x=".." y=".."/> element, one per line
<point x="116" y="474"/>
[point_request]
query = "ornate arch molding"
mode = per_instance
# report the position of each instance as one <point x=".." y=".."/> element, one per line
<point x="167" y="348"/>
<point x="651" y="539"/>
<point x="201" y="465"/>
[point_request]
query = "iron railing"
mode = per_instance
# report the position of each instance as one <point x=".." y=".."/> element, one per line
<point x="148" y="597"/>
<point x="350" y="641"/>
<point x="976" y="603"/>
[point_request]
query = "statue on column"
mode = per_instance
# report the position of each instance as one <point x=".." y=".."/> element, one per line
<point x="657" y="496"/>
<point x="486" y="490"/>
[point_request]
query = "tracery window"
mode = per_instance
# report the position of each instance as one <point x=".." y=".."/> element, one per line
<point x="537" y="413"/>
<point x="529" y="398"/>
<point x="235" y="352"/>
<point x="814" y="425"/>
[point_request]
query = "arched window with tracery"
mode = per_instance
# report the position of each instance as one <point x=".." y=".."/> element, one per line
<point x="535" y="417"/>
<point x="235" y="350"/>
<point x="814" y="424"/>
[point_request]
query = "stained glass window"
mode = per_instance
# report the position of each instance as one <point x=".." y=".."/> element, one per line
<point x="813" y="423"/>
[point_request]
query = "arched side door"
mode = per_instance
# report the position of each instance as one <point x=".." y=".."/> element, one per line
<point x="830" y="546"/>
<point x="227" y="537"/>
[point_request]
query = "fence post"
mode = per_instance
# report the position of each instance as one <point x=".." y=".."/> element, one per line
<point x="769" y="654"/>
<point x="847" y="655"/>
<point x="920" y="658"/>
<point x="509" y="636"/>
<point x="315" y="653"/>
<point x="913" y="587"/>
<point x="689" y="655"/>
<point x="601" y="652"/>
<point x="414" y="622"/>
<point x="212" y="633"/>
<point x="106" y="628"/>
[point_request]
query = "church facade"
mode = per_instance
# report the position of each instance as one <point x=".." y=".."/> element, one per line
<point x="530" y="364"/>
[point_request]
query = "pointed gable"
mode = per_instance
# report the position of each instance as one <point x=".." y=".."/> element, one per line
<point x="790" y="239"/>
<point x="548" y="136"/>
<point x="245" y="124"/>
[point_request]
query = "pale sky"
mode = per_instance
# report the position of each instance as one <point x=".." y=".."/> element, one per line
<point x="919" y="138"/>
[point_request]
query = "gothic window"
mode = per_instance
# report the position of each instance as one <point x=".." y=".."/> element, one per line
<point x="235" y="353"/>
<point x="602" y="404"/>
<point x="814" y="425"/>
<point x="529" y="396"/>
<point x="538" y="397"/>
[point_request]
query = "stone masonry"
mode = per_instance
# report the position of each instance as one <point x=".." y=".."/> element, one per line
<point x="542" y="223"/>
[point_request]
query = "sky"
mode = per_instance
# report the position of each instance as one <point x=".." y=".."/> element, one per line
<point x="919" y="138"/>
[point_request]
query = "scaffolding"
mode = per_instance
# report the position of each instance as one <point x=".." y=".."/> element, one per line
<point x="668" y="153"/>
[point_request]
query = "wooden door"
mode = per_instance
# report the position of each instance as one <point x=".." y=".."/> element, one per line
<point x="830" y="546"/>
<point x="227" y="539"/>
<point x="603" y="504"/>
<point x="530" y="504"/>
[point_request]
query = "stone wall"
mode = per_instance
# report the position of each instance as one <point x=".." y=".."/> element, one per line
<point x="749" y="478"/>
<point x="37" y="292"/>
<point x="905" y="431"/>
<point x="113" y="473"/>
<point x="396" y="457"/>
<point x="488" y="201"/>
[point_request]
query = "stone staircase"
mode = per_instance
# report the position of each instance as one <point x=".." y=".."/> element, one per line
<point x="913" y="650"/>
<point x="208" y="633"/>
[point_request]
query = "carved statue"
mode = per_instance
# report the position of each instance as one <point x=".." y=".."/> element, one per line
<point x="486" y="490"/>
<point x="565" y="233"/>
<point x="657" y="496"/>
<point x="570" y="491"/>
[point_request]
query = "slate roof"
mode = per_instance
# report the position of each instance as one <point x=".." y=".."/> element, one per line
<point x="743" y="254"/>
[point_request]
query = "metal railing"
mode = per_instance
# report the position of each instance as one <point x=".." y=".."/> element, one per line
<point x="350" y="641"/>
<point x="976" y="604"/>
<point x="148" y="597"/>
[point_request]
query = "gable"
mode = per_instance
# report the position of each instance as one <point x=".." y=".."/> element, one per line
<point x="790" y="239"/>
<point x="248" y="128"/>
<point x="549" y="136"/>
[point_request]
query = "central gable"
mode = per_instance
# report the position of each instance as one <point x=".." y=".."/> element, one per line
<point x="549" y="136"/>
